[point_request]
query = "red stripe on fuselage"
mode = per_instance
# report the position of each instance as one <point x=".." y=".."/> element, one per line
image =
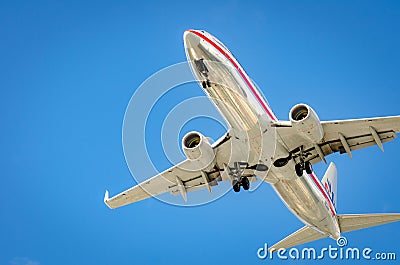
<point x="242" y="74"/>
<point x="314" y="178"/>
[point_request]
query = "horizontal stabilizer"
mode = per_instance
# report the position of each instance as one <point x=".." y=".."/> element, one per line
<point x="351" y="222"/>
<point x="106" y="197"/>
<point x="301" y="236"/>
<point x="347" y="223"/>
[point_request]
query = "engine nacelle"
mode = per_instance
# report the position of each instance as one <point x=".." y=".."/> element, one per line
<point x="197" y="148"/>
<point x="306" y="122"/>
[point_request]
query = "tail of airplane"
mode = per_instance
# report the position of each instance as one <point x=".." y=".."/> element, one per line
<point x="347" y="222"/>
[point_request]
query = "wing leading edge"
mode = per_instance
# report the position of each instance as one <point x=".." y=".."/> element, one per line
<point x="176" y="180"/>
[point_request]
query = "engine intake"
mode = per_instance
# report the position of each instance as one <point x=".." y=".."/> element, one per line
<point x="197" y="148"/>
<point x="305" y="120"/>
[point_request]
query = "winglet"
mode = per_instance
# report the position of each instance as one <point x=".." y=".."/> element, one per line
<point x="106" y="197"/>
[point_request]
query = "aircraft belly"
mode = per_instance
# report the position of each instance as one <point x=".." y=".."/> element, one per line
<point x="301" y="197"/>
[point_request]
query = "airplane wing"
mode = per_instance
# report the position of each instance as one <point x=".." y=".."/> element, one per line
<point x="179" y="179"/>
<point x="342" y="136"/>
<point x="171" y="180"/>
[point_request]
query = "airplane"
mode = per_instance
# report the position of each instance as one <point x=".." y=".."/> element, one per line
<point x="257" y="143"/>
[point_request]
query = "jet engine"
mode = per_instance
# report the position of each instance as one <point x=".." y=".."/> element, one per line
<point x="197" y="148"/>
<point x="306" y="122"/>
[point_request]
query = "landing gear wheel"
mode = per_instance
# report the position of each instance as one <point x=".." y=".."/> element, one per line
<point x="308" y="167"/>
<point x="236" y="186"/>
<point x="208" y="83"/>
<point x="245" y="183"/>
<point x="299" y="170"/>
<point x="204" y="84"/>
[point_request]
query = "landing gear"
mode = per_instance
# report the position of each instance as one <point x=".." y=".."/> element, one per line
<point x="203" y="70"/>
<point x="301" y="164"/>
<point x="201" y="67"/>
<point x="245" y="183"/>
<point x="299" y="169"/>
<point x="236" y="186"/>
<point x="205" y="84"/>
<point x="235" y="173"/>
<point x="308" y="167"/>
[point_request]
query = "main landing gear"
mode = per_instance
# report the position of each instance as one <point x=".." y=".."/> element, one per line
<point x="299" y="157"/>
<point x="300" y="167"/>
<point x="235" y="174"/>
<point x="244" y="182"/>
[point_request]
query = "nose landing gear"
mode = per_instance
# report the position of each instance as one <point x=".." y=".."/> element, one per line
<point x="206" y="84"/>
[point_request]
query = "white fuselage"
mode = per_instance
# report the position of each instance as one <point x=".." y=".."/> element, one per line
<point x="250" y="118"/>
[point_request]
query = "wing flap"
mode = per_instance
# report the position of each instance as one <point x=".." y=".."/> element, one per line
<point x="355" y="143"/>
<point x="356" y="127"/>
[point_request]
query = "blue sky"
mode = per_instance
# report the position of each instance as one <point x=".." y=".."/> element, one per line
<point x="68" y="70"/>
